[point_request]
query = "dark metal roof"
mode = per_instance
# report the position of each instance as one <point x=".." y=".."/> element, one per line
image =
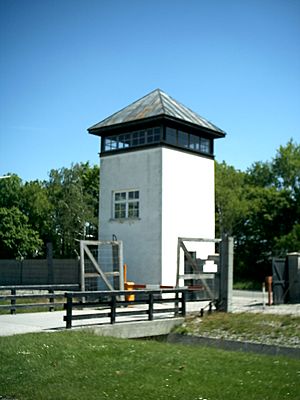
<point x="155" y="104"/>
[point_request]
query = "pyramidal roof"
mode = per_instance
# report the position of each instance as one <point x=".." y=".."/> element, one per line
<point x="155" y="104"/>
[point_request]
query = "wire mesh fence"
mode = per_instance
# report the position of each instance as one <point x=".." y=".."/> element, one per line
<point x="39" y="272"/>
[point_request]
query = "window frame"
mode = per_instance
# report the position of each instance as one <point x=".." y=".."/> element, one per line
<point x="128" y="204"/>
<point x="131" y="139"/>
<point x="160" y="134"/>
<point x="183" y="139"/>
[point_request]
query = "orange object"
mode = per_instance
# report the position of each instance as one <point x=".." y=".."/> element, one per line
<point x="125" y="273"/>
<point x="129" y="286"/>
<point x="269" y="289"/>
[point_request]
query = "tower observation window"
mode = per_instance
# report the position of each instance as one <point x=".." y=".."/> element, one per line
<point x="204" y="145"/>
<point x="132" y="139"/>
<point x="144" y="137"/>
<point x="187" y="140"/>
<point x="183" y="139"/>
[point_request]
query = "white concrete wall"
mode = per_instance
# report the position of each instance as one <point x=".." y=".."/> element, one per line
<point x="140" y="170"/>
<point x="176" y="200"/>
<point x="188" y="207"/>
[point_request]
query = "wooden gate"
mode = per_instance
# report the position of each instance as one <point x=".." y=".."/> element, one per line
<point x="101" y="265"/>
<point x="279" y="280"/>
<point x="210" y="278"/>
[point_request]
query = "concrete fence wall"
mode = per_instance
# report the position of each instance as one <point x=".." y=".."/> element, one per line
<point x="39" y="272"/>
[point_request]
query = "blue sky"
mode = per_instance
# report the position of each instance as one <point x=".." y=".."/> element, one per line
<point x="66" y="65"/>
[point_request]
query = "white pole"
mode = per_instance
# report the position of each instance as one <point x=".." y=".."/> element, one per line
<point x="82" y="267"/>
<point x="263" y="295"/>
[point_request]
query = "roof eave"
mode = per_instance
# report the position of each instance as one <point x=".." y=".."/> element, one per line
<point x="103" y="130"/>
<point x="98" y="131"/>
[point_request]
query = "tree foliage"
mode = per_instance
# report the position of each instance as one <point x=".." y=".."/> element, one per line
<point x="17" y="238"/>
<point x="260" y="208"/>
<point x="231" y="204"/>
<point x="74" y="192"/>
<point x="62" y="210"/>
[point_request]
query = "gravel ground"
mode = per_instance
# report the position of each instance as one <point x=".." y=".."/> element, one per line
<point x="252" y="302"/>
<point x="261" y="339"/>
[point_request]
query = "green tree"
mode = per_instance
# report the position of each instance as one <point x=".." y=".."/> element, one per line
<point x="17" y="238"/>
<point x="74" y="194"/>
<point x="290" y="242"/>
<point x="286" y="169"/>
<point x="10" y="191"/>
<point x="266" y="219"/>
<point x="36" y="205"/>
<point x="62" y="210"/>
<point x="279" y="196"/>
<point x="271" y="225"/>
<point x="230" y="203"/>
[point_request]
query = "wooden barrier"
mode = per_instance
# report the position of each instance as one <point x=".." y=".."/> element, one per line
<point x="50" y="296"/>
<point x="113" y="304"/>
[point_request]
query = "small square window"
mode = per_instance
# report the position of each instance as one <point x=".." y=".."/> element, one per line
<point x="124" y="141"/>
<point x="111" y="143"/>
<point x="120" y="210"/>
<point x="194" y="142"/>
<point x="120" y="196"/>
<point x="183" y="139"/>
<point x="205" y="145"/>
<point x="135" y="138"/>
<point x="171" y="136"/>
<point x="142" y="137"/>
<point x="126" y="204"/>
<point x="133" y="209"/>
<point x="133" y="195"/>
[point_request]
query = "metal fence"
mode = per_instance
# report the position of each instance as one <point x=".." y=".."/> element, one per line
<point x="39" y="272"/>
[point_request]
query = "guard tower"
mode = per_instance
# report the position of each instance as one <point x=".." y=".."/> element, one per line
<point x="157" y="183"/>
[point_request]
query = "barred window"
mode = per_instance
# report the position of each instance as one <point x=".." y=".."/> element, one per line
<point x="126" y="204"/>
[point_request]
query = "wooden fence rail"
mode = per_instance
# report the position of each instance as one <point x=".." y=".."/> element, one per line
<point x="51" y="296"/>
<point x="116" y="304"/>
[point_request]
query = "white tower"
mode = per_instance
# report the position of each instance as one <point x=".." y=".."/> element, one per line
<point x="156" y="183"/>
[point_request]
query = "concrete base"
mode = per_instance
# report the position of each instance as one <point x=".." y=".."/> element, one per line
<point x="233" y="345"/>
<point x="138" y="329"/>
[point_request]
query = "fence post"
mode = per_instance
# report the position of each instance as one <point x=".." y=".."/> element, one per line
<point x="82" y="268"/>
<point x="51" y="300"/>
<point x="293" y="272"/>
<point x="113" y="308"/>
<point x="13" y="302"/>
<point x="226" y="274"/>
<point x="50" y="263"/>
<point x="183" y="303"/>
<point x="150" y="312"/>
<point x="176" y="304"/>
<point x="69" y="310"/>
<point x="121" y="266"/>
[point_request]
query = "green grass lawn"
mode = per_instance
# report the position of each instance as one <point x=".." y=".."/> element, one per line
<point x="80" y="365"/>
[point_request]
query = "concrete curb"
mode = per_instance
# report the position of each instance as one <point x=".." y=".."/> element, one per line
<point x="235" y="345"/>
<point x="138" y="329"/>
